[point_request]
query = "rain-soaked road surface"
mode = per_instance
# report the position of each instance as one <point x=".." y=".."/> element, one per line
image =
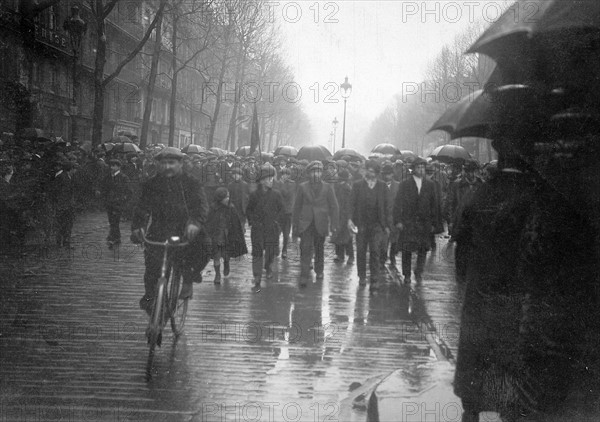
<point x="72" y="344"/>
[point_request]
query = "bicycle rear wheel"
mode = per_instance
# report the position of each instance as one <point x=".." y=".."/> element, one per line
<point x="178" y="307"/>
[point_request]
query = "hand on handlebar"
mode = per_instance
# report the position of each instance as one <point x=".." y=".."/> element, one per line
<point x="137" y="236"/>
<point x="191" y="231"/>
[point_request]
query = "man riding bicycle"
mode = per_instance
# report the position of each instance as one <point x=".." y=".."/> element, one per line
<point x="175" y="205"/>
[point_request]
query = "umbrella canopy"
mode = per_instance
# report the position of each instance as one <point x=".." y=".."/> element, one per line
<point x="120" y="139"/>
<point x="288" y="150"/>
<point x="527" y="19"/>
<point x="447" y="153"/>
<point x="108" y="146"/>
<point x="86" y="146"/>
<point x="477" y="114"/>
<point x="193" y="149"/>
<point x="554" y="42"/>
<point x="218" y="151"/>
<point x="407" y="155"/>
<point x="314" y="152"/>
<point x="386" y="149"/>
<point x="126" y="147"/>
<point x="352" y="153"/>
<point x="243" y="151"/>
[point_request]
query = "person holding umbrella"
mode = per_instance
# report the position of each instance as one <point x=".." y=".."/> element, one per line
<point x="316" y="210"/>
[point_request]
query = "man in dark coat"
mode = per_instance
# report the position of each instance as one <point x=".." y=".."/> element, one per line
<point x="287" y="187"/>
<point x="371" y="215"/>
<point x="343" y="236"/>
<point x="390" y="243"/>
<point x="264" y="211"/>
<point x="178" y="207"/>
<point x="316" y="210"/>
<point x="64" y="189"/>
<point x="414" y="216"/>
<point x="117" y="193"/>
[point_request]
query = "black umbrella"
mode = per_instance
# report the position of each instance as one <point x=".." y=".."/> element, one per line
<point x="553" y="42"/>
<point x="288" y="150"/>
<point x="126" y="147"/>
<point x="243" y="151"/>
<point x="314" y="152"/>
<point x="352" y="153"/>
<point x="447" y="153"/>
<point x="193" y="149"/>
<point x="386" y="149"/>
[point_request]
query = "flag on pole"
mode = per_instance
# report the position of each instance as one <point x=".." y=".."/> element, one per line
<point x="254" y="134"/>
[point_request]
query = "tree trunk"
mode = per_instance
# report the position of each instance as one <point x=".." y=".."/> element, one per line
<point x="173" y="99"/>
<point x="239" y="76"/>
<point x="99" y="86"/>
<point x="215" y="116"/>
<point x="151" y="83"/>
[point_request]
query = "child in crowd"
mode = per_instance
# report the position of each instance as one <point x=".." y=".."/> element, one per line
<point x="225" y="230"/>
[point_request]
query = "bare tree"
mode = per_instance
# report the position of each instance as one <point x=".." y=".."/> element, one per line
<point x="101" y="9"/>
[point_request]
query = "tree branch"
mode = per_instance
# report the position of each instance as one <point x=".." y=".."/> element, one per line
<point x="138" y="48"/>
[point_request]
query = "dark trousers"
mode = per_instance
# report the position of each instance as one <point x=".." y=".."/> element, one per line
<point x="114" y="221"/>
<point x="407" y="261"/>
<point x="64" y="222"/>
<point x="286" y="227"/>
<point x="264" y="249"/>
<point x="393" y="249"/>
<point x="311" y="243"/>
<point x="371" y="238"/>
<point x="220" y="251"/>
<point x="345" y="249"/>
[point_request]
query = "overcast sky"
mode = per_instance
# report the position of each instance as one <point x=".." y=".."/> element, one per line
<point x="377" y="44"/>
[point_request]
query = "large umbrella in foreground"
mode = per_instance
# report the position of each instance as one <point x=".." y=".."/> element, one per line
<point x="288" y="150"/>
<point x="509" y="104"/>
<point x="448" y="153"/>
<point x="352" y="153"/>
<point x="386" y="149"/>
<point x="314" y="152"/>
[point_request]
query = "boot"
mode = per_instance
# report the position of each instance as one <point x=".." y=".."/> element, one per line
<point x="217" y="274"/>
<point x="226" y="268"/>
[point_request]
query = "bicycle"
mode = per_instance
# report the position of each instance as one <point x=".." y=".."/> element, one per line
<point x="168" y="306"/>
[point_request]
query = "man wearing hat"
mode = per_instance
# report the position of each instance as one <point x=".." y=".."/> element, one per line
<point x="287" y="187"/>
<point x="264" y="212"/>
<point x="390" y="242"/>
<point x="316" y="211"/>
<point x="178" y="207"/>
<point x="371" y="215"/>
<point x="462" y="192"/>
<point x="414" y="217"/>
<point x="117" y="193"/>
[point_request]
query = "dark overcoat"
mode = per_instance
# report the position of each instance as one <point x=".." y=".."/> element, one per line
<point x="264" y="213"/>
<point x="416" y="211"/>
<point x="343" y="194"/>
<point x="322" y="209"/>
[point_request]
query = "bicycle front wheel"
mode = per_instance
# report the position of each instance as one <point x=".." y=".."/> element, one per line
<point x="178" y="307"/>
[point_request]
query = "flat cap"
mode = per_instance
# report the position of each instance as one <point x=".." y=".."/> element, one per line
<point x="170" y="152"/>
<point x="314" y="165"/>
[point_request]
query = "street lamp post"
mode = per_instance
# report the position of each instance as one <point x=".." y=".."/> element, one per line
<point x="346" y="90"/>
<point x="334" y="122"/>
<point x="75" y="27"/>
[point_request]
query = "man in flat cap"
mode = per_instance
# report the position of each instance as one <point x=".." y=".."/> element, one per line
<point x="371" y="215"/>
<point x="316" y="211"/>
<point x="414" y="217"/>
<point x="264" y="213"/>
<point x="64" y="195"/>
<point x="239" y="191"/>
<point x="178" y="207"/>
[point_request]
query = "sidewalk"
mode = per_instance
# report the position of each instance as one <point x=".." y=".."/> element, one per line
<point x="435" y="308"/>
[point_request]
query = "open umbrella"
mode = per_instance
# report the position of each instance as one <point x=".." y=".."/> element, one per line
<point x="313" y="152"/>
<point x="448" y="153"/>
<point x="352" y="153"/>
<point x="407" y="155"/>
<point x="386" y="149"/>
<point x="108" y="146"/>
<point x="126" y="147"/>
<point x="553" y="42"/>
<point x="476" y="115"/>
<point x="288" y="150"/>
<point x="243" y="151"/>
<point x="218" y="151"/>
<point x="193" y="149"/>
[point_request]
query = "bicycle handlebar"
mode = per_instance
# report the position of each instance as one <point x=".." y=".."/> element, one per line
<point x="171" y="242"/>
